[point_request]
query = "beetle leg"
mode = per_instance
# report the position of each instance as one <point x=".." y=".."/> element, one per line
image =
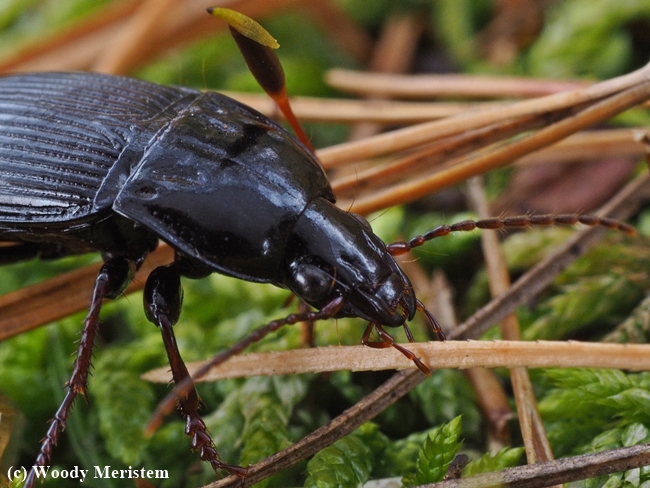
<point x="307" y="337"/>
<point x="111" y="281"/>
<point x="328" y="311"/>
<point x="163" y="297"/>
<point x="409" y="334"/>
<point x="388" y="341"/>
<point x="435" y="326"/>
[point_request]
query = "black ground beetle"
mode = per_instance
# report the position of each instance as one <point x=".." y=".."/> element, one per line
<point x="91" y="162"/>
<point x="98" y="163"/>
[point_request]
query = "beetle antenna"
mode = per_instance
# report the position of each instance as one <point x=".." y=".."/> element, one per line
<point x="521" y="221"/>
<point x="182" y="388"/>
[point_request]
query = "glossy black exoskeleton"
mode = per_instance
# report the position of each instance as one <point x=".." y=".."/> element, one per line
<point x="91" y="162"/>
<point x="99" y="163"/>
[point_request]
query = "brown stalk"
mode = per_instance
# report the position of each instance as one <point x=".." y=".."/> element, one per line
<point x="491" y="398"/>
<point x="444" y="85"/>
<point x="493" y="401"/>
<point x="532" y="429"/>
<point x="438" y="297"/>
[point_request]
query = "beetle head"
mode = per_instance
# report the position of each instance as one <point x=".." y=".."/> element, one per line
<point x="334" y="253"/>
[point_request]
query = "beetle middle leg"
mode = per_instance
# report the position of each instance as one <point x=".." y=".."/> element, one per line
<point x="111" y="281"/>
<point x="163" y="297"/>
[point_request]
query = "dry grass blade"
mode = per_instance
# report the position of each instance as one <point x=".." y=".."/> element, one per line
<point x="80" y="47"/>
<point x="426" y="160"/>
<point x="533" y="433"/>
<point x="491" y="396"/>
<point x="438" y="355"/>
<point x="423" y="133"/>
<point x="595" y="145"/>
<point x="588" y="145"/>
<point x="352" y="111"/>
<point x="459" y="170"/>
<point x="454" y="86"/>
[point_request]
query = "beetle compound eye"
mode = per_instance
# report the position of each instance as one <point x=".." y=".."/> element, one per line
<point x="312" y="283"/>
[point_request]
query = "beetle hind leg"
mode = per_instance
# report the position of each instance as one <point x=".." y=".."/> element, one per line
<point x="113" y="277"/>
<point x="163" y="297"/>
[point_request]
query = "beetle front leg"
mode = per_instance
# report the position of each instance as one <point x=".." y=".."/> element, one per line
<point x="163" y="297"/>
<point x="387" y="340"/>
<point x="111" y="281"/>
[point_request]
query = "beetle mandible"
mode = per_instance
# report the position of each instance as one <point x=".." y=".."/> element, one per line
<point x="93" y="162"/>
